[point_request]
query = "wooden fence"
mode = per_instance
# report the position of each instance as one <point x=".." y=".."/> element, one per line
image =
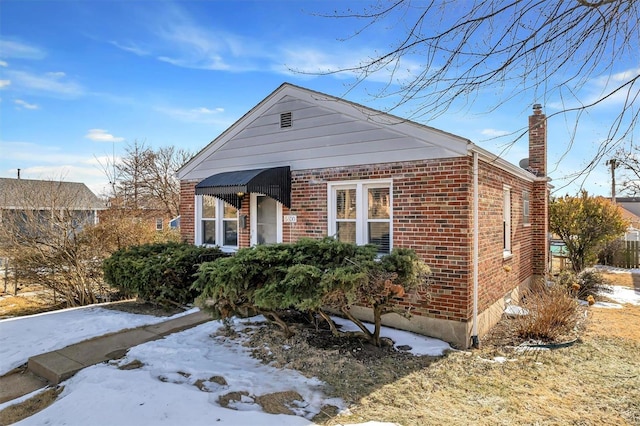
<point x="628" y="256"/>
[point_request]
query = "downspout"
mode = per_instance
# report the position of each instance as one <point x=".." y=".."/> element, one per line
<point x="474" y="333"/>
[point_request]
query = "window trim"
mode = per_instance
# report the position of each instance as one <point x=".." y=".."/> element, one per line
<point x="219" y="224"/>
<point x="506" y="221"/>
<point x="159" y="224"/>
<point x="526" y="208"/>
<point x="362" y="220"/>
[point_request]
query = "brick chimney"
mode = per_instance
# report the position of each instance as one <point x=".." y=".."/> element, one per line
<point x="539" y="207"/>
<point x="538" y="141"/>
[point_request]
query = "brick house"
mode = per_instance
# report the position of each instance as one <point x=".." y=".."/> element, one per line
<point x="305" y="164"/>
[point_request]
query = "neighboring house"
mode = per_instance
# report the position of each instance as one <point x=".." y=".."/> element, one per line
<point x="630" y="207"/>
<point x="44" y="197"/>
<point x="155" y="218"/>
<point x="306" y="164"/>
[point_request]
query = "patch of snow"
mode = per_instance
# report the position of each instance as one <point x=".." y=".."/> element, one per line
<point x="420" y="345"/>
<point x="173" y="384"/>
<point x="515" y="311"/>
<point x="23" y="337"/>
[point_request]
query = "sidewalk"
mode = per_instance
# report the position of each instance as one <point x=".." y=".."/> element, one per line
<point x="51" y="368"/>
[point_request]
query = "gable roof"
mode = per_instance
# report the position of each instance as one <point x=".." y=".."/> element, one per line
<point x="44" y="194"/>
<point x="326" y="132"/>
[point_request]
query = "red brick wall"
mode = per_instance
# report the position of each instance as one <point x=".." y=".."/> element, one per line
<point x="432" y="214"/>
<point x="187" y="210"/>
<point x="497" y="275"/>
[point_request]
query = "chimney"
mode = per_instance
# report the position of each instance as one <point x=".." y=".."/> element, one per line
<point x="18" y="173"/>
<point x="538" y="141"/>
<point x="539" y="204"/>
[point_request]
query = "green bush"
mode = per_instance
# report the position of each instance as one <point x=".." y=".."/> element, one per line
<point x="308" y="276"/>
<point x="589" y="282"/>
<point x="592" y="283"/>
<point x="161" y="273"/>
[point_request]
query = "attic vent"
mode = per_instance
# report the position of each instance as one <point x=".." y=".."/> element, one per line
<point x="285" y="120"/>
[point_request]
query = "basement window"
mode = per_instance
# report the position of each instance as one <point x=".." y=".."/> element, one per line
<point x="286" y="120"/>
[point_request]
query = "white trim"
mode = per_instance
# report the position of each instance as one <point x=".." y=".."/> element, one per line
<point x="361" y="219"/>
<point x="219" y="225"/>
<point x="506" y="220"/>
<point x="500" y="163"/>
<point x="253" y="215"/>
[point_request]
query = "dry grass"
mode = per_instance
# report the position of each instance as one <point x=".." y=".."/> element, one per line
<point x="16" y="412"/>
<point x="17" y="306"/>
<point x="594" y="382"/>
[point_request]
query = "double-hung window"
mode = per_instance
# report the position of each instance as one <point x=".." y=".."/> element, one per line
<point x="506" y="221"/>
<point x="361" y="212"/>
<point x="218" y="222"/>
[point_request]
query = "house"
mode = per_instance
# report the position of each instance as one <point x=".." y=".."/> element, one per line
<point x="630" y="209"/>
<point x="306" y="164"/>
<point x="151" y="214"/>
<point x="44" y="197"/>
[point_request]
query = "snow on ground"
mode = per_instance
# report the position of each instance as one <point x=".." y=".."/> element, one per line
<point x="23" y="337"/>
<point x="177" y="383"/>
<point x="621" y="295"/>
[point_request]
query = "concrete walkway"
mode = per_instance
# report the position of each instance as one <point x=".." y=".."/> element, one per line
<point x="51" y="368"/>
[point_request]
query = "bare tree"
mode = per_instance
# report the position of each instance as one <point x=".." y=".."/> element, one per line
<point x="43" y="233"/>
<point x="626" y="164"/>
<point x="144" y="178"/>
<point x="449" y="53"/>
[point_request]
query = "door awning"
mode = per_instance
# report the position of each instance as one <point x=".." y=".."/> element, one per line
<point x="232" y="186"/>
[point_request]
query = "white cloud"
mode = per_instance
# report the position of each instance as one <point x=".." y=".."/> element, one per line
<point x="3" y="64"/>
<point x="52" y="83"/>
<point x="17" y="49"/>
<point x="131" y="48"/>
<point x="4" y="83"/>
<point x="101" y="135"/>
<point x="494" y="133"/>
<point x="25" y="104"/>
<point x="196" y="115"/>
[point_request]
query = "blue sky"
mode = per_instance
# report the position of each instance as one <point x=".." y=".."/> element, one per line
<point x="81" y="79"/>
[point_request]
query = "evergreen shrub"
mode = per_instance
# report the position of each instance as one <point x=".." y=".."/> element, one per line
<point x="161" y="273"/>
<point x="309" y="276"/>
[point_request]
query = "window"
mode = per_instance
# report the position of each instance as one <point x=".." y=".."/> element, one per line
<point x="360" y="212"/>
<point x="506" y="220"/>
<point x="525" y="207"/>
<point x="159" y="224"/>
<point x="218" y="222"/>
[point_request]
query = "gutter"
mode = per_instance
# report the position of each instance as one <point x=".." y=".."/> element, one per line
<point x="476" y="229"/>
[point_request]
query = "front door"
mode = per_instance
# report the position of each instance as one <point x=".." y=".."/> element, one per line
<point x="266" y="220"/>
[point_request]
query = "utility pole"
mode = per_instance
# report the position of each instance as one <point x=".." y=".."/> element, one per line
<point x="613" y="163"/>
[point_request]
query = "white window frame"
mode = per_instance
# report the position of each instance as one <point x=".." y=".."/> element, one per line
<point x="159" y="224"/>
<point x="526" y="208"/>
<point x="506" y="221"/>
<point x="219" y="225"/>
<point x="361" y="187"/>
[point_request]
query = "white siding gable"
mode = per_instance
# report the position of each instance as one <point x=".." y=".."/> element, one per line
<point x="325" y="132"/>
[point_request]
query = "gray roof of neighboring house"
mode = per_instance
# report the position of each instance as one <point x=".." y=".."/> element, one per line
<point x="631" y="204"/>
<point x="43" y="194"/>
